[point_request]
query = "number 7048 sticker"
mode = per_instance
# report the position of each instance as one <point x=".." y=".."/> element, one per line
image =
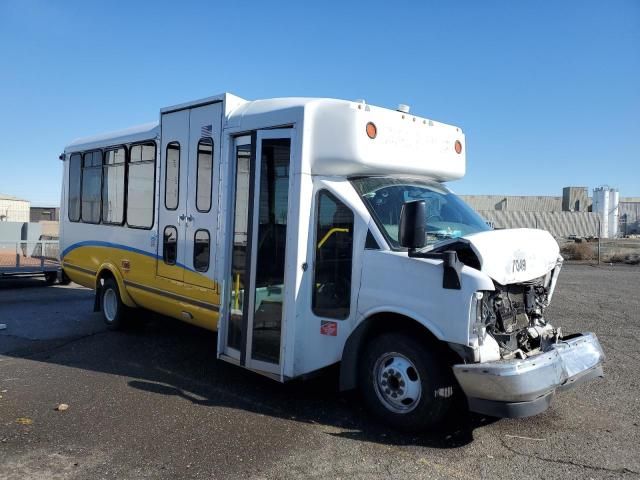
<point x="519" y="265"/>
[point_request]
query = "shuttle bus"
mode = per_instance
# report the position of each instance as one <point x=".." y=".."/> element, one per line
<point x="309" y="232"/>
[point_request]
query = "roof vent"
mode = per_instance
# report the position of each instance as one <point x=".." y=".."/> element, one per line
<point x="403" y="108"/>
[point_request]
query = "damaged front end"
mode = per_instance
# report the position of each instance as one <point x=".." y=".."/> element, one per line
<point x="522" y="359"/>
<point x="513" y="315"/>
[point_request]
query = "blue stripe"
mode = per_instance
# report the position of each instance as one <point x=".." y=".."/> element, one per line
<point x="96" y="243"/>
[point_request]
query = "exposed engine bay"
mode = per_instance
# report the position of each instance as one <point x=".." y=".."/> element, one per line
<point x="514" y="316"/>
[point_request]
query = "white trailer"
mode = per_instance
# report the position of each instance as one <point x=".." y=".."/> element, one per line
<point x="310" y="232"/>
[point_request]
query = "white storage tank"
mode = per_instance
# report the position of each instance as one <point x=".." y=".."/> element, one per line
<point x="606" y="203"/>
<point x="601" y="207"/>
<point x="614" y="212"/>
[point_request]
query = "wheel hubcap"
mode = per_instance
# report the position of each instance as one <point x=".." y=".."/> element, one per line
<point x="110" y="305"/>
<point x="397" y="382"/>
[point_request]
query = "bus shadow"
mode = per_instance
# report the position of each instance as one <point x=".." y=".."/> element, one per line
<point x="15" y="282"/>
<point x="168" y="358"/>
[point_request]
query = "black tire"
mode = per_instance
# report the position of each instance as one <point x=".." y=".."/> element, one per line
<point x="391" y="353"/>
<point x="64" y="279"/>
<point x="114" y="312"/>
<point x="50" y="277"/>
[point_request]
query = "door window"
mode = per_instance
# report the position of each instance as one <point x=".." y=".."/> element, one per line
<point x="170" y="245"/>
<point x="201" y="242"/>
<point x="239" y="273"/>
<point x="273" y="204"/>
<point x="172" y="176"/>
<point x="333" y="258"/>
<point x="204" y="175"/>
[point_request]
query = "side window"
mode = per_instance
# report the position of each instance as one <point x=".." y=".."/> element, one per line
<point x="172" y="176"/>
<point x="201" y="241"/>
<point x="141" y="185"/>
<point x="91" y="186"/>
<point x="75" y="182"/>
<point x="170" y="245"/>
<point x="333" y="258"/>
<point x="113" y="186"/>
<point x="204" y="175"/>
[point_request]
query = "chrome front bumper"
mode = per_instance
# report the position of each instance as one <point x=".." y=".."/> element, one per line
<point x="520" y="388"/>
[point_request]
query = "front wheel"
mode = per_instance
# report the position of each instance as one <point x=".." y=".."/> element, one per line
<point x="404" y="383"/>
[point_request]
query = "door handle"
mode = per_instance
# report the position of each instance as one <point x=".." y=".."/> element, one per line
<point x="181" y="218"/>
<point x="189" y="218"/>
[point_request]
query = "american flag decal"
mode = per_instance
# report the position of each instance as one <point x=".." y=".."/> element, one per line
<point x="206" y="131"/>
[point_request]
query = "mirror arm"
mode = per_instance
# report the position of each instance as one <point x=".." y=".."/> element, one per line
<point x="451" y="265"/>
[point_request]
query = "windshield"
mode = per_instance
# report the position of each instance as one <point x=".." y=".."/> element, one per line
<point x="447" y="215"/>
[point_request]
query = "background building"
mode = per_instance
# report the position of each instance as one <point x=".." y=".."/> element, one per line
<point x="13" y="209"/>
<point x="629" y="211"/>
<point x="575" y="199"/>
<point x="563" y="216"/>
<point x="40" y="214"/>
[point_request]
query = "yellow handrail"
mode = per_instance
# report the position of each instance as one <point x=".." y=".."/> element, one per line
<point x="331" y="232"/>
<point x="237" y="291"/>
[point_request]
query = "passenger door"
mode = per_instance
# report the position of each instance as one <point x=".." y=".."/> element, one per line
<point x="202" y="199"/>
<point x="172" y="214"/>
<point x="188" y="194"/>
<point x="258" y="277"/>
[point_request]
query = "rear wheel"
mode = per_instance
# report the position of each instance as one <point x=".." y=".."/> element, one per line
<point x="50" y="277"/>
<point x="113" y="310"/>
<point x="404" y="383"/>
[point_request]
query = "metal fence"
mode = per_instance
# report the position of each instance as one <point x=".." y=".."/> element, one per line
<point x="618" y="250"/>
<point x="29" y="256"/>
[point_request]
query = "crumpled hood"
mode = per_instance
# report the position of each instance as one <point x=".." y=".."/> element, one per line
<point x="515" y="255"/>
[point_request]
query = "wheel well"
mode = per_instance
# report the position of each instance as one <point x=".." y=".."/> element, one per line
<point x="103" y="275"/>
<point x="378" y="324"/>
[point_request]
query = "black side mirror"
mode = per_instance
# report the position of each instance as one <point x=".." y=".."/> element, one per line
<point x="413" y="224"/>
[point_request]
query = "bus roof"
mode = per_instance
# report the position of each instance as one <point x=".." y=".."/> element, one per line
<point x="342" y="138"/>
<point x="138" y="133"/>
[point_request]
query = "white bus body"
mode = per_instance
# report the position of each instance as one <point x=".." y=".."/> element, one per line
<point x="279" y="223"/>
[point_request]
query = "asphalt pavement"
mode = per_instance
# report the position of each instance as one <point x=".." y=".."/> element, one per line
<point x="153" y="402"/>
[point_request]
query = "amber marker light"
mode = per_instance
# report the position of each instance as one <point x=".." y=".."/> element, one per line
<point x="458" y="146"/>
<point x="372" y="130"/>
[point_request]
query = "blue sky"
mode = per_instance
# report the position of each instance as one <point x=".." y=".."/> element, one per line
<point x="547" y="92"/>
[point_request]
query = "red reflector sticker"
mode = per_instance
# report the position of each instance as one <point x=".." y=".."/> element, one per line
<point x="329" y="328"/>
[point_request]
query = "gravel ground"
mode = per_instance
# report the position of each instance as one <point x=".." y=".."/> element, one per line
<point x="153" y="402"/>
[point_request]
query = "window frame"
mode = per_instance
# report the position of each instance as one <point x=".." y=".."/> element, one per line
<point x="194" y="250"/>
<point x="198" y="174"/>
<point x="126" y="184"/>
<point x="85" y="153"/>
<point x="79" y="219"/>
<point x="319" y="193"/>
<point x="155" y="168"/>
<point x="166" y="171"/>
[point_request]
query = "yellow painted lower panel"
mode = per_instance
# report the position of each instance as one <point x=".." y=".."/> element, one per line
<point x="142" y="271"/>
